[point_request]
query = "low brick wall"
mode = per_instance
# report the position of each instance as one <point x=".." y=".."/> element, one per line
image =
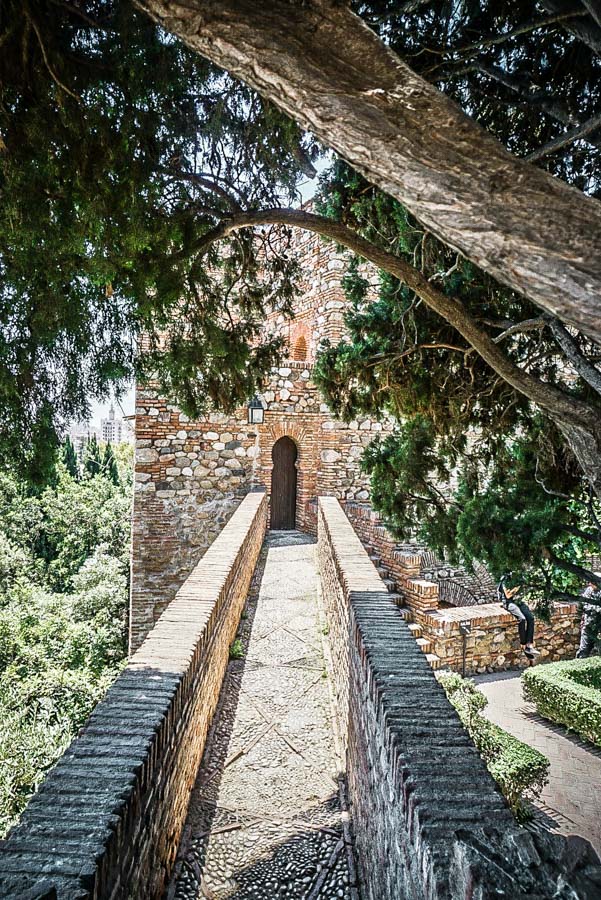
<point x="493" y="644"/>
<point x="107" y="820"/>
<point x="407" y="561"/>
<point x="428" y="820"/>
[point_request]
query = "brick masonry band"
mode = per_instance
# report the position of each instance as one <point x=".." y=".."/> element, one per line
<point x="428" y="820"/>
<point x="108" y="818"/>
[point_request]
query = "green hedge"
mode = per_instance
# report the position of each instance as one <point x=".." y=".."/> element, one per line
<point x="520" y="771"/>
<point x="569" y="693"/>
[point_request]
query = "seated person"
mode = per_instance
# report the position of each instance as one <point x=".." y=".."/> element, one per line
<point x="590" y="625"/>
<point x="507" y="592"/>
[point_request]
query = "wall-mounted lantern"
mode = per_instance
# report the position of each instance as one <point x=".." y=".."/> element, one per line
<point x="256" y="411"/>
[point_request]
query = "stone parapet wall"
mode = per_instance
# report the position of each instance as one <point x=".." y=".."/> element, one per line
<point x="493" y="643"/>
<point x="107" y="820"/>
<point x="429" y="822"/>
<point x="413" y="559"/>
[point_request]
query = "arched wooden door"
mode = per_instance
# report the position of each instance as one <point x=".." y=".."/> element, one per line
<point x="283" y="485"/>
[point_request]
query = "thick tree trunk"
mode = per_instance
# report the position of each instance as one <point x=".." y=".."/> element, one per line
<point x="579" y="422"/>
<point x="322" y="65"/>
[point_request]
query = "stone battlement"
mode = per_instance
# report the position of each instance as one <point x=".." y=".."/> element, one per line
<point x="438" y="597"/>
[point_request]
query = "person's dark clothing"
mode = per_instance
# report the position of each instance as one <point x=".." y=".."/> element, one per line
<point x="523" y="614"/>
<point x="590" y="624"/>
<point x="520" y="610"/>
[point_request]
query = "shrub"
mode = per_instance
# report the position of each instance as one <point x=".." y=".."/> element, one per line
<point x="519" y="770"/>
<point x="237" y="650"/>
<point x="569" y="693"/>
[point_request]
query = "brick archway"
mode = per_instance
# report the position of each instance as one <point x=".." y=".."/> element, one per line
<point x="284" y="454"/>
<point x="303" y="434"/>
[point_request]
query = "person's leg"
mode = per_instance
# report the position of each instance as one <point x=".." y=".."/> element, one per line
<point x="517" y="613"/>
<point x="587" y="641"/>
<point x="529" y="627"/>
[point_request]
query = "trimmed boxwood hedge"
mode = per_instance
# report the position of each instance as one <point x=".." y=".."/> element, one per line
<point x="520" y="771"/>
<point x="569" y="693"/>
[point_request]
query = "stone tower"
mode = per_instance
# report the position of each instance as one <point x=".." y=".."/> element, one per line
<point x="190" y="476"/>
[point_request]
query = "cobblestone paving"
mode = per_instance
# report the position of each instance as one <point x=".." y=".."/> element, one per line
<point x="571" y="802"/>
<point x="265" y="818"/>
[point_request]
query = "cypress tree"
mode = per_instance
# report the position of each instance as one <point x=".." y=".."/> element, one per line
<point x="116" y="145"/>
<point x="69" y="458"/>
<point x="109" y="464"/>
<point x="92" y="457"/>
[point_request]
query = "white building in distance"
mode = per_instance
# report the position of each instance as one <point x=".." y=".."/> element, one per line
<point x="115" y="430"/>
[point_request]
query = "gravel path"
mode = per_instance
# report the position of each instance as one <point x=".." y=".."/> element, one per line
<point x="265" y="818"/>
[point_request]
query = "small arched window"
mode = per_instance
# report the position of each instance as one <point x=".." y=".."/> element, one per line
<point x="299" y="352"/>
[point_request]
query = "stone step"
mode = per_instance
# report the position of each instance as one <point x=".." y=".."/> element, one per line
<point x="397" y="598"/>
<point x="434" y="660"/>
<point x="416" y="630"/>
<point x="424" y="644"/>
<point x="390" y="585"/>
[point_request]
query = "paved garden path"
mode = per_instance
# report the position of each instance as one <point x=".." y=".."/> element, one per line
<point x="265" y="818"/>
<point x="571" y="802"/>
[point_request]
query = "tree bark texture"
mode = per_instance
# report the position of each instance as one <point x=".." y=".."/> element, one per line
<point x="579" y="422"/>
<point x="323" y="66"/>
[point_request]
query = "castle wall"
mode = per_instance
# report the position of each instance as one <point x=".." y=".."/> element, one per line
<point x="191" y="476"/>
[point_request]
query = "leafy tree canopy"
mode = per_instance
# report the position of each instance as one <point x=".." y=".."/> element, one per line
<point x="485" y="474"/>
<point x="64" y="570"/>
<point x="117" y="146"/>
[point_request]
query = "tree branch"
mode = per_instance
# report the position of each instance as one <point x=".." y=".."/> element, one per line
<point x="586" y="574"/>
<point x="549" y="104"/>
<point x="585" y="30"/>
<point x="492" y="40"/>
<point x="322" y="65"/>
<point x="581" y="132"/>
<point x="51" y="71"/>
<point x="561" y="406"/>
<point x="594" y="8"/>
<point x="585" y="369"/>
<point x="554" y="108"/>
<point x="207" y="183"/>
<point x="519" y="327"/>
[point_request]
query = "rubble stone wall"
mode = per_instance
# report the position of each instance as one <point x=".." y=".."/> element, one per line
<point x="107" y="820"/>
<point x="429" y="823"/>
<point x="425" y="584"/>
<point x="493" y="644"/>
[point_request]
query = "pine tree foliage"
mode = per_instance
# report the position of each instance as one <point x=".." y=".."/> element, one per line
<point x="109" y="464"/>
<point x="482" y="472"/>
<point x="92" y="457"/>
<point x="119" y="148"/>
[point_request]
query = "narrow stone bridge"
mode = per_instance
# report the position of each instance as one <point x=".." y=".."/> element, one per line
<point x="324" y="761"/>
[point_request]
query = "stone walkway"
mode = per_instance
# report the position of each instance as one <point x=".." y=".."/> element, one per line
<point x="571" y="802"/>
<point x="265" y="818"/>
